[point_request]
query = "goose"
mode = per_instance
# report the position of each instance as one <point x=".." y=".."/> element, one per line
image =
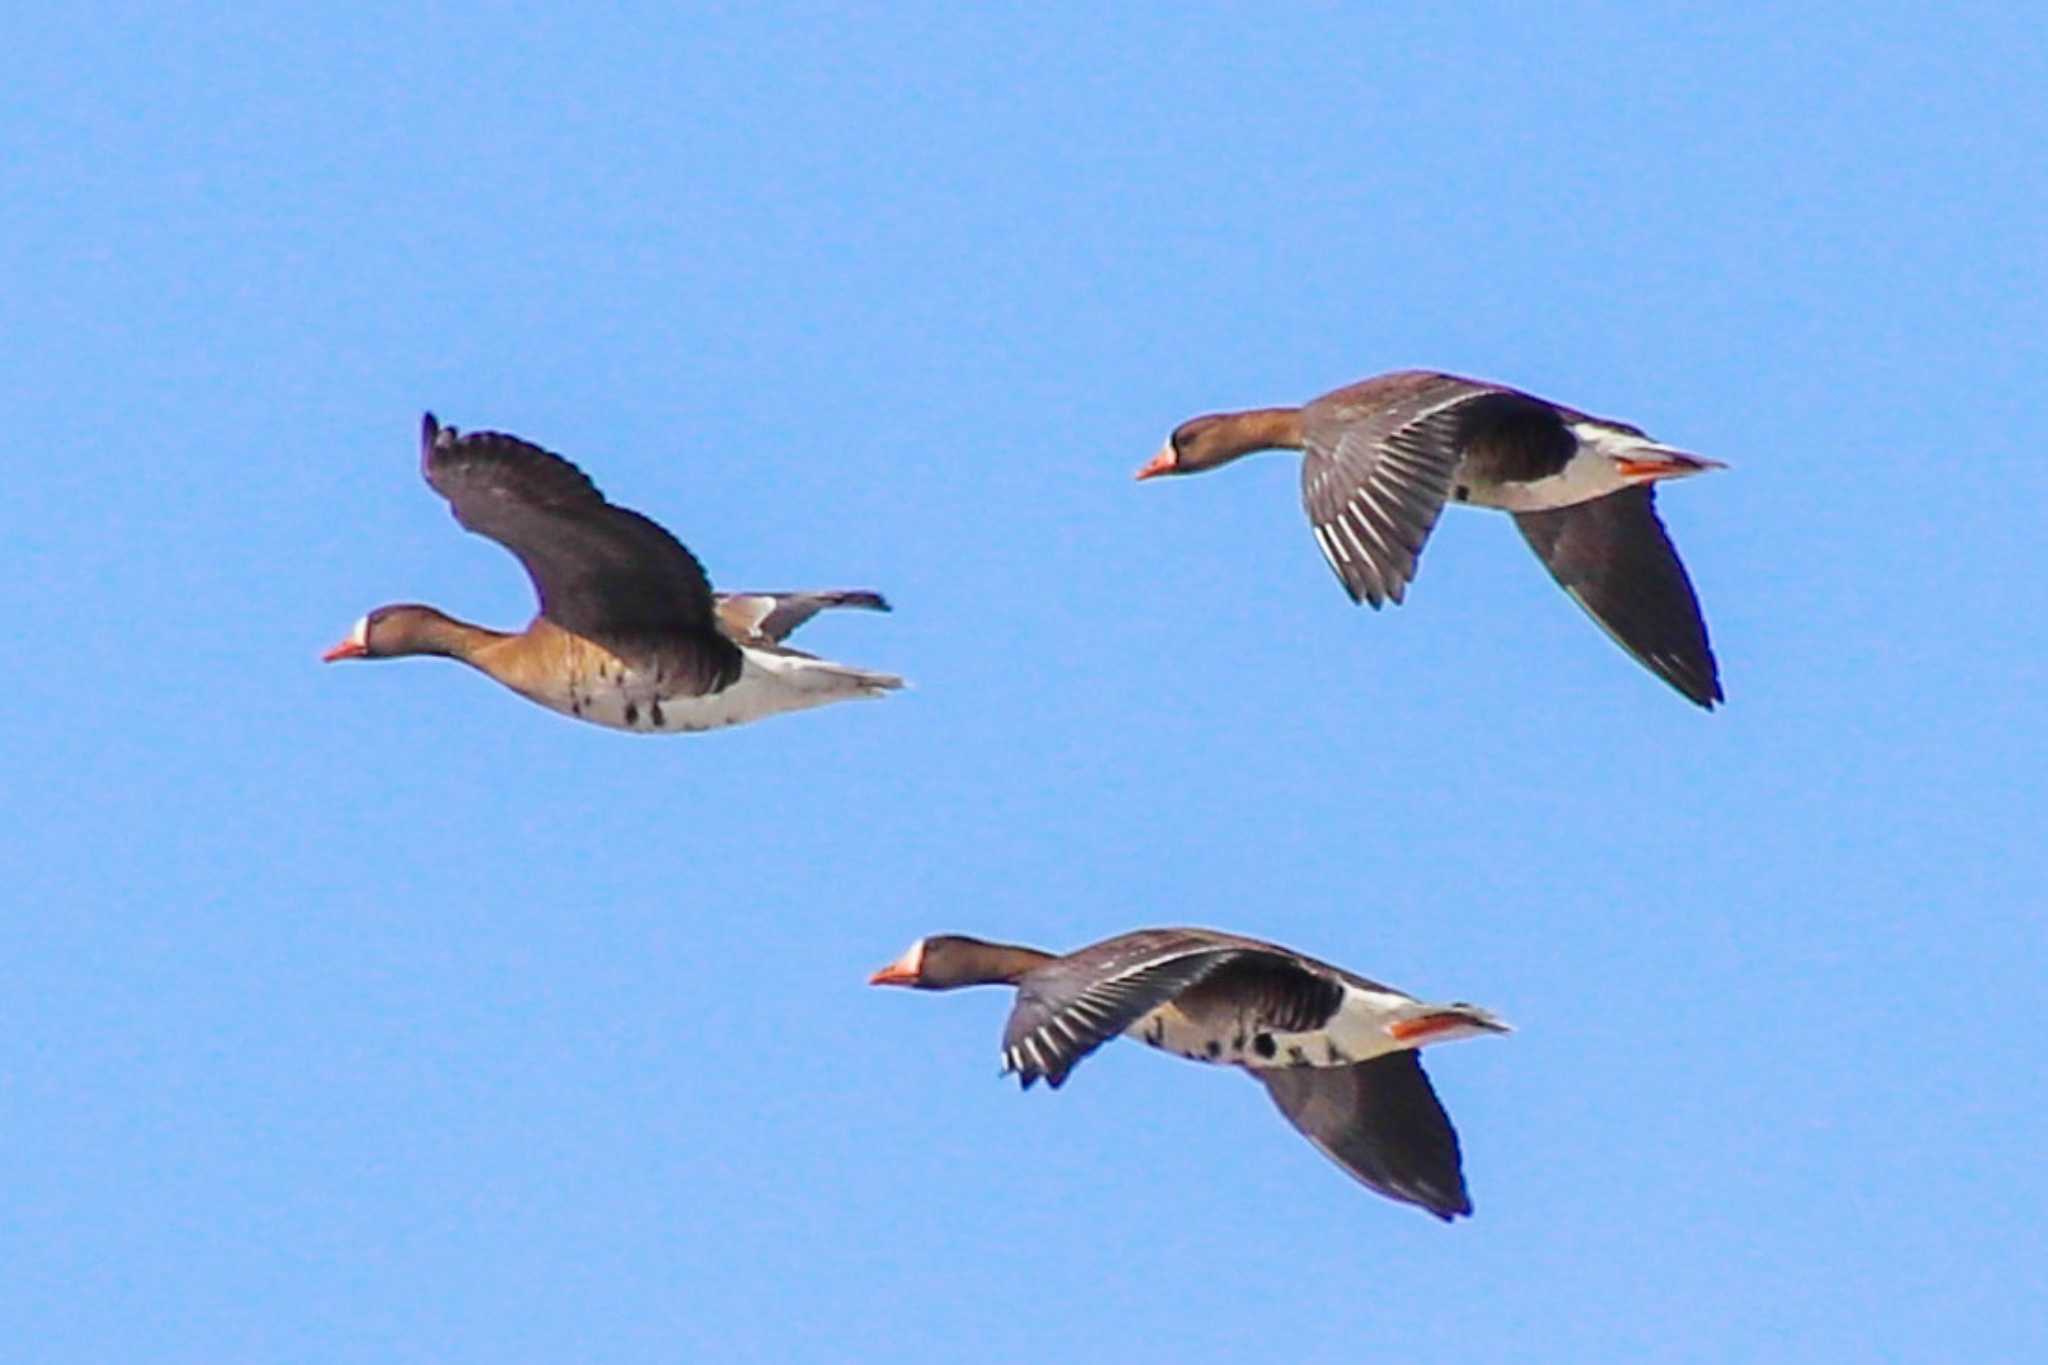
<point x="1335" y="1051"/>
<point x="1383" y="456"/>
<point x="629" y="634"/>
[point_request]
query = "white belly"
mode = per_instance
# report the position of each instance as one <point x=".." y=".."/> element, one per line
<point x="769" y="683"/>
<point x="1357" y="1033"/>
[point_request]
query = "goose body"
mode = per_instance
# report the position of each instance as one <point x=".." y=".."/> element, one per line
<point x="1335" y="1051"/>
<point x="629" y="635"/>
<point x="1381" y="458"/>
<point x="1229" y="1029"/>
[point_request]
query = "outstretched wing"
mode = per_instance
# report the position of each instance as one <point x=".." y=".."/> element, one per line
<point x="1381" y="1121"/>
<point x="1377" y="470"/>
<point x="1615" y="559"/>
<point x="601" y="571"/>
<point x="1066" y="1011"/>
<point x="772" y="616"/>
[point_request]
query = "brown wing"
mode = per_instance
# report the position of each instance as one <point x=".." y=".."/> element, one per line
<point x="1378" y="466"/>
<point x="1613" y="556"/>
<point x="1071" y="1007"/>
<point x="601" y="571"/>
<point x="1382" y="1122"/>
<point x="772" y="616"/>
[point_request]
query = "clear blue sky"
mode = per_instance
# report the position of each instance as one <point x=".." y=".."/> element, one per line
<point x="371" y="1014"/>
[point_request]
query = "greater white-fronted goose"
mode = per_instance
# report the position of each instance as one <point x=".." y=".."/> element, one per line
<point x="629" y="633"/>
<point x="1335" y="1051"/>
<point x="1381" y="457"/>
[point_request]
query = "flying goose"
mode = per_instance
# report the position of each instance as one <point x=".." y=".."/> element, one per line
<point x="629" y="634"/>
<point x="1335" y="1051"/>
<point x="1382" y="457"/>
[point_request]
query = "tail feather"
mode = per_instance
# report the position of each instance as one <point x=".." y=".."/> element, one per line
<point x="824" y="678"/>
<point x="1620" y="442"/>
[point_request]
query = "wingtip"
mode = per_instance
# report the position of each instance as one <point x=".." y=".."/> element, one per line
<point x="1705" y="694"/>
<point x="1444" y="1205"/>
<point x="867" y="599"/>
<point x="1368" y="596"/>
<point x="433" y="437"/>
<point x="1028" y="1075"/>
<point x="1698" y="680"/>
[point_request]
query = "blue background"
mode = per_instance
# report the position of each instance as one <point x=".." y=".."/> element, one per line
<point x="372" y="1014"/>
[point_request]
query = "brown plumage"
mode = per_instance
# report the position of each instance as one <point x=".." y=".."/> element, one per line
<point x="1382" y="457"/>
<point x="629" y="634"/>
<point x="1335" y="1050"/>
